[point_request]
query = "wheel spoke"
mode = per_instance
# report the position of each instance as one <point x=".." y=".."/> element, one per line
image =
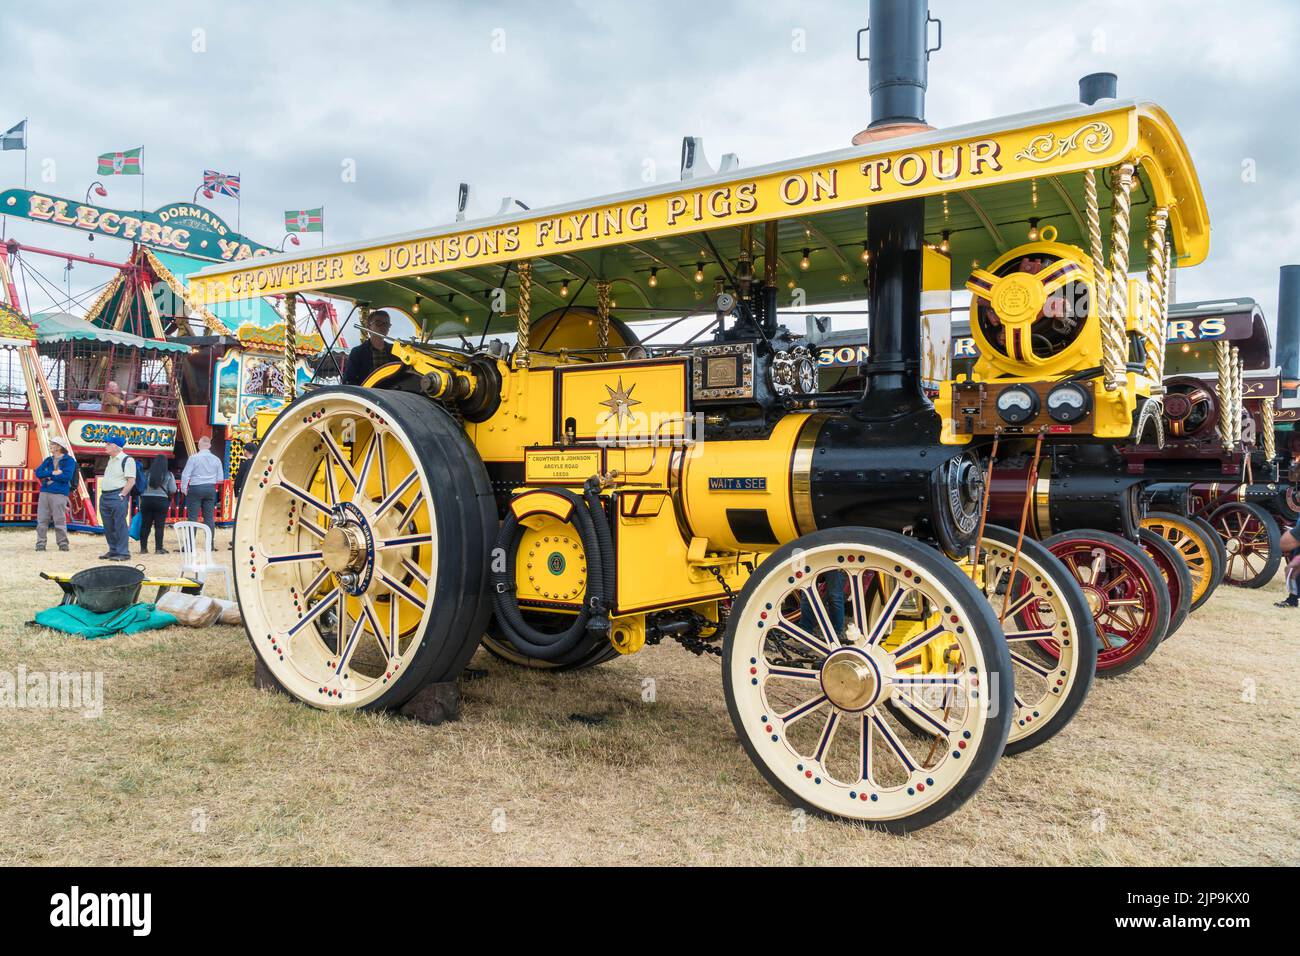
<point x="1028" y="664"/>
<point x="345" y="654"/>
<point x="413" y="569"/>
<point x="1038" y="635"/>
<point x="920" y="641"/>
<point x="887" y="613"/>
<point x="925" y="715"/>
<point x="404" y="541"/>
<point x="803" y="710"/>
<point x="813" y="600"/>
<point x="400" y="589"/>
<point x="396" y="493"/>
<point x="372" y="617"/>
<point x="317" y="581"/>
<point x="304" y="495"/>
<point x="894" y="743"/>
<point x="294" y="557"/>
<point x="794" y="632"/>
<point x="339" y="458"/>
<point x="316" y="611"/>
<point x="857" y="596"/>
<point x="865" y="753"/>
<point x="793" y="673"/>
<point x="359" y="485"/>
<point x="828" y="734"/>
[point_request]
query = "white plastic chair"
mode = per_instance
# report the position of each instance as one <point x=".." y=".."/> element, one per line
<point x="195" y="539"/>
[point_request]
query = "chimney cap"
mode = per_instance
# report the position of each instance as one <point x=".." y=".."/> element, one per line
<point x="1098" y="86"/>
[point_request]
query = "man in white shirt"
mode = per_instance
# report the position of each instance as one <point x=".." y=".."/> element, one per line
<point x="199" y="480"/>
<point x="114" y="494"/>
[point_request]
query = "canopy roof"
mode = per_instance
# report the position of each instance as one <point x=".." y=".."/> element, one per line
<point x="56" y="327"/>
<point x="981" y="183"/>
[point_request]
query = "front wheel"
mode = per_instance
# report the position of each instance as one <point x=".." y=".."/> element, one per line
<point x="814" y="649"/>
<point x="1176" y="574"/>
<point x="1125" y="591"/>
<point x="1198" y="547"/>
<point x="1252" y="540"/>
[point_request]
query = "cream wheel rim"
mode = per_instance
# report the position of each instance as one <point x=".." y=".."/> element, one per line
<point x="335" y="548"/>
<point x="810" y="685"/>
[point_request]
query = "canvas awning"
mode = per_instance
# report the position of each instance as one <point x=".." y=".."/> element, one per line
<point x="55" y="327"/>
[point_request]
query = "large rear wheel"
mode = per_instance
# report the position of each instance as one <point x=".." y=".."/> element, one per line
<point x="813" y="650"/>
<point x="361" y="548"/>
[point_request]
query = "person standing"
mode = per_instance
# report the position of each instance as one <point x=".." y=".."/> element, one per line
<point x="155" y="500"/>
<point x="114" y="494"/>
<point x="56" y="473"/>
<point x="372" y="353"/>
<point x="202" y="474"/>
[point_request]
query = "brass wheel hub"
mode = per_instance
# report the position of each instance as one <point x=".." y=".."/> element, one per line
<point x="343" y="548"/>
<point x="1095" y="598"/>
<point x="1233" y="545"/>
<point x="850" y="679"/>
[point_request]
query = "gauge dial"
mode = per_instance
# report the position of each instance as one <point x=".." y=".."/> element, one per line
<point x="1017" y="404"/>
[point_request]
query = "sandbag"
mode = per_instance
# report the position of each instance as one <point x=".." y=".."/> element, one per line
<point x="192" y="610"/>
<point x="229" y="612"/>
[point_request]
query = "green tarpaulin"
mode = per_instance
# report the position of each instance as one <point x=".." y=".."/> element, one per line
<point x="74" y="619"/>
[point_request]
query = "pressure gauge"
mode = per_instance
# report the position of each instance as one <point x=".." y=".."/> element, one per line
<point x="1017" y="404"/>
<point x="1068" y="403"/>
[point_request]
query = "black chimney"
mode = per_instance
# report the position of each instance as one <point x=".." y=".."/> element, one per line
<point x="895" y="230"/>
<point x="896" y="47"/>
<point x="1288" y="323"/>
<point x="1098" y="86"/>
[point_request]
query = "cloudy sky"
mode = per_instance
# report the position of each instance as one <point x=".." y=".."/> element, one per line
<point x="550" y="102"/>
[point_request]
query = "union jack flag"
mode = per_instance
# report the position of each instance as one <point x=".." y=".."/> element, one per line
<point x="224" y="183"/>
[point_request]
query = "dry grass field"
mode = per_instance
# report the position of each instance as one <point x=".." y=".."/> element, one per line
<point x="1189" y="760"/>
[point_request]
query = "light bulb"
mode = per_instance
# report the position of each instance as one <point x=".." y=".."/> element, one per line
<point x="415" y="309"/>
<point x="699" y="272"/>
<point x="654" y="278"/>
<point x="866" y="253"/>
<point x="805" y="262"/>
<point x="943" y="243"/>
<point x="564" y="288"/>
<point x="1033" y="230"/>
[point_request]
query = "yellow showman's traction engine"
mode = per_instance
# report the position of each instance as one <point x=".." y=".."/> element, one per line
<point x="586" y="492"/>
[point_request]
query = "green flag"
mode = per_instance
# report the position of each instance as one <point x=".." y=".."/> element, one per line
<point x="121" y="164"/>
<point x="304" y="220"/>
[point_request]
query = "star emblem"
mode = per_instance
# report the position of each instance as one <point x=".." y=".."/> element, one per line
<point x="620" y="402"/>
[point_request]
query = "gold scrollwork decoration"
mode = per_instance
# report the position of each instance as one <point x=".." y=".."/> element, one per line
<point x="1094" y="137"/>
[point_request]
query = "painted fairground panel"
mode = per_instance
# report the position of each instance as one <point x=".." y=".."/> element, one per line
<point x="250" y="378"/>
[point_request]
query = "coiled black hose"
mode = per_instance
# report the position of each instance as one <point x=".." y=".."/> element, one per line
<point x="589" y="520"/>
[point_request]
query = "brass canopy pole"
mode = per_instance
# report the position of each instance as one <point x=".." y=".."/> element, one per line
<point x="1268" y="439"/>
<point x="290" y="347"/>
<point x="602" y="317"/>
<point x="1155" y="328"/>
<point x="1238" y="371"/>
<point x="1092" y="211"/>
<point x="1114" y="337"/>
<point x="1223" y="392"/>
<point x="525" y="272"/>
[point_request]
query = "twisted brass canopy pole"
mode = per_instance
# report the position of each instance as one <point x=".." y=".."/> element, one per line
<point x="1114" y="333"/>
<point x="525" y="271"/>
<point x="1157" y="319"/>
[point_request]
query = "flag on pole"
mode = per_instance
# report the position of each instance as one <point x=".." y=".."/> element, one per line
<point x="224" y="183"/>
<point x="15" y="137"/>
<point x="305" y="220"/>
<point x="126" y="163"/>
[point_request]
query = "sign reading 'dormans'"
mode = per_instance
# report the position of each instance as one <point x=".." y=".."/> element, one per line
<point x="837" y="183"/>
<point x="177" y="227"/>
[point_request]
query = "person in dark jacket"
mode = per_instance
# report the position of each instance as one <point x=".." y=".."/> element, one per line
<point x="155" y="500"/>
<point x="372" y="353"/>
<point x="56" y="474"/>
